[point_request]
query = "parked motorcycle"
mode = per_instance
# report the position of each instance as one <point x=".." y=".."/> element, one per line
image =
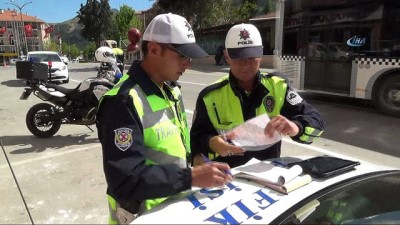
<point x="109" y="71"/>
<point x="110" y="67"/>
<point x="63" y="105"/>
<point x="67" y="106"/>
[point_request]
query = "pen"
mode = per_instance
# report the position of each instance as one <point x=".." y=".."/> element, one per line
<point x="207" y="160"/>
<point x="278" y="163"/>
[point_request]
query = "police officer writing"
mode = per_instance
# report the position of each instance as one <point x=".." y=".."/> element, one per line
<point x="119" y="55"/>
<point x="244" y="94"/>
<point x="143" y="129"/>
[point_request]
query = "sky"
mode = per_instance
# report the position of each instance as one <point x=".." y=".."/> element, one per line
<point x="56" y="11"/>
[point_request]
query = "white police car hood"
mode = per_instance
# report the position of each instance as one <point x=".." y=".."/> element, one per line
<point x="238" y="202"/>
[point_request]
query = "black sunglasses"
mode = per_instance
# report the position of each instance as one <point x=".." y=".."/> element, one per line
<point x="182" y="56"/>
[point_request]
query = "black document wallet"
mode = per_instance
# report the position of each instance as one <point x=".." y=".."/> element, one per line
<point x="325" y="166"/>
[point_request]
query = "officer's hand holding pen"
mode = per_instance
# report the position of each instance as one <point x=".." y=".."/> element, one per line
<point x="213" y="174"/>
<point x="207" y="160"/>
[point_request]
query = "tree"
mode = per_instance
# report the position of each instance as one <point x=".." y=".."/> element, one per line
<point x="88" y="51"/>
<point x="206" y="13"/>
<point x="248" y="9"/>
<point x="96" y="18"/>
<point x="51" y="45"/>
<point x="270" y="6"/>
<point x="135" y="23"/>
<point x="112" y="31"/>
<point x="70" y="49"/>
<point x="64" y="48"/>
<point x="125" y="20"/>
<point x="74" y="51"/>
<point x="175" y="6"/>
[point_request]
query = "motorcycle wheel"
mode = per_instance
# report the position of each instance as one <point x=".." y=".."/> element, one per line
<point x="36" y="126"/>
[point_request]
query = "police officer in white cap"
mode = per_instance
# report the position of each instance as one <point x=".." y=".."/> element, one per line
<point x="142" y="126"/>
<point x="243" y="94"/>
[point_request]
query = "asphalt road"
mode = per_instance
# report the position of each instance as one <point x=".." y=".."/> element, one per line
<point x="61" y="179"/>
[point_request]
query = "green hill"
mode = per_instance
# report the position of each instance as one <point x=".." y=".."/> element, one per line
<point x="70" y="32"/>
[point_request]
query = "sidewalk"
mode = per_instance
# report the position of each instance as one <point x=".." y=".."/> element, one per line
<point x="61" y="178"/>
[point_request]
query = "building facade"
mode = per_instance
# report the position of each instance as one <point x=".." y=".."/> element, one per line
<point x="20" y="33"/>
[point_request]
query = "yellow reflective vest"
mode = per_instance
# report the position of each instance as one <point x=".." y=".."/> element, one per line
<point x="225" y="109"/>
<point x="165" y="130"/>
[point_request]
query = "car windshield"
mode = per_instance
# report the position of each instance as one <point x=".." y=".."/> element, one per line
<point x="371" y="200"/>
<point x="44" y="57"/>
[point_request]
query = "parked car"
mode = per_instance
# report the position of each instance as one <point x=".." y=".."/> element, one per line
<point x="59" y="69"/>
<point x="14" y="60"/>
<point x="367" y="194"/>
<point x="65" y="59"/>
<point x="77" y="59"/>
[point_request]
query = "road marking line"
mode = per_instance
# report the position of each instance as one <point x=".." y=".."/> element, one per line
<point x="77" y="81"/>
<point x="51" y="155"/>
<point x="185" y="82"/>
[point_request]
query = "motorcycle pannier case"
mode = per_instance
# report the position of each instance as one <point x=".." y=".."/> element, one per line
<point x="32" y="70"/>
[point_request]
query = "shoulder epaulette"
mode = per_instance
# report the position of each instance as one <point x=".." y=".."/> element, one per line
<point x="278" y="74"/>
<point x="126" y="87"/>
<point x="213" y="87"/>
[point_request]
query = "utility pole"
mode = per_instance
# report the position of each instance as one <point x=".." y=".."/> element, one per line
<point x="69" y="49"/>
<point x="20" y="7"/>
<point x="17" y="41"/>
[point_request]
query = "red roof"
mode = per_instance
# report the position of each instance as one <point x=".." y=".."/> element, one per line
<point x="11" y="15"/>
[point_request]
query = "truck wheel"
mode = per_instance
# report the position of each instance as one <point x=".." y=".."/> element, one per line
<point x="36" y="120"/>
<point x="387" y="95"/>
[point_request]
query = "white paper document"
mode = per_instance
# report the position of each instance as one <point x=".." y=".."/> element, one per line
<point x="283" y="180"/>
<point x="250" y="135"/>
<point x="267" y="172"/>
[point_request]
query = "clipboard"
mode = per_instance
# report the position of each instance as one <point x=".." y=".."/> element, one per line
<point x="326" y="166"/>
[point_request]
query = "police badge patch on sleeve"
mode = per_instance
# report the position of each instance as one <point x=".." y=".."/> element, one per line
<point x="123" y="138"/>
<point x="269" y="103"/>
<point x="293" y="98"/>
